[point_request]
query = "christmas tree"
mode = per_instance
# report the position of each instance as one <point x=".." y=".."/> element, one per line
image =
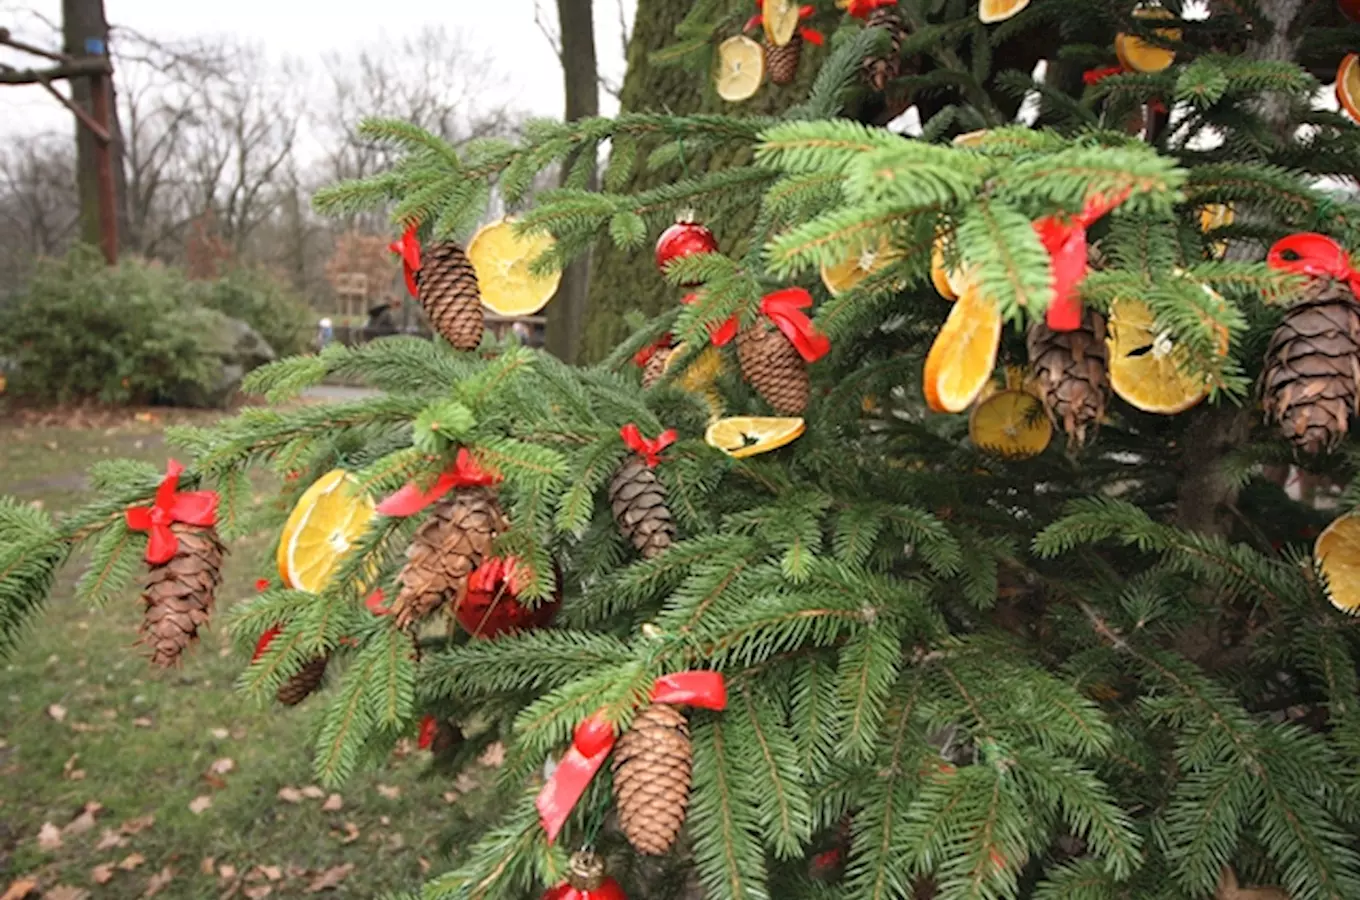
<point x="785" y="619"/>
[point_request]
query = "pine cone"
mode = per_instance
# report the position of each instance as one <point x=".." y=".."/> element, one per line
<point x="782" y="62"/>
<point x="880" y="70"/>
<point x="304" y="683"/>
<point x="450" y="544"/>
<point x="656" y="366"/>
<point x="179" y="594"/>
<point x="1311" y="380"/>
<point x="653" y="763"/>
<point x="639" y="501"/>
<point x="773" y="366"/>
<point x="449" y="293"/>
<point x="1073" y="381"/>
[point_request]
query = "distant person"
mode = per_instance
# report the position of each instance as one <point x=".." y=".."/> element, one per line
<point x="521" y="332"/>
<point x="325" y="333"/>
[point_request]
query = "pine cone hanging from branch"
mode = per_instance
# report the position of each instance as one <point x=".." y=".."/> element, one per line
<point x="305" y="683"/>
<point x="879" y="71"/>
<point x="449" y="546"/>
<point x="450" y="295"/>
<point x="638" y="496"/>
<point x="771" y="364"/>
<point x="1071" y="374"/>
<point x="653" y="767"/>
<point x="782" y="62"/>
<point x="180" y="593"/>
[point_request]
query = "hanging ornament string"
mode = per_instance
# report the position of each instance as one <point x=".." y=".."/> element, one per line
<point x="1309" y="253"/>
<point x="408" y="248"/>
<point x="190" y="508"/>
<point x="411" y="499"/>
<point x="650" y="448"/>
<point x="785" y="309"/>
<point x="1065" y="240"/>
<point x="594" y="739"/>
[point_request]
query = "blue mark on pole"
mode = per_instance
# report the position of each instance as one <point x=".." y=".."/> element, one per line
<point x="94" y="46"/>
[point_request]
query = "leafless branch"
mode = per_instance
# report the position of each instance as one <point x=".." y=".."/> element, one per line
<point x="553" y="39"/>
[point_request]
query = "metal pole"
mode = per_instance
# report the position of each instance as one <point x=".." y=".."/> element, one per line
<point x="103" y="160"/>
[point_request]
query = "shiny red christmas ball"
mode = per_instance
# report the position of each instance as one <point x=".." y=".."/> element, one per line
<point x="587" y="881"/>
<point x="491" y="608"/>
<point x="609" y="889"/>
<point x="683" y="239"/>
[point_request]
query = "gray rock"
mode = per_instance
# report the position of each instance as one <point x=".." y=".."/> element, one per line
<point x="233" y="349"/>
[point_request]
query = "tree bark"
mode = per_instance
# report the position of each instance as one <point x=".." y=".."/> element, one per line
<point x="82" y="21"/>
<point x="568" y="310"/>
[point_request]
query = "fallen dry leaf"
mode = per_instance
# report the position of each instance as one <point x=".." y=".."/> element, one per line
<point x="334" y="803"/>
<point x="142" y="722"/>
<point x="220" y="733"/>
<point x="159" y="881"/>
<point x="20" y="889"/>
<point x="216" y="782"/>
<point x="226" y="871"/>
<point x="424" y="864"/>
<point x="109" y="714"/>
<point x="102" y="874"/>
<point x="450" y="796"/>
<point x="273" y="873"/>
<point x="330" y="879"/>
<point x="110" y="840"/>
<point x="222" y="766"/>
<point x="465" y="783"/>
<point x="396" y="840"/>
<point x="199" y="805"/>
<point x="131" y="862"/>
<point x="85" y="821"/>
<point x="384" y="820"/>
<point x="49" y="837"/>
<point x="295" y="871"/>
<point x="391" y="792"/>
<point x="57" y="712"/>
<point x="493" y="756"/>
<point x="290" y="795"/>
<point x="65" y="892"/>
<point x="208" y="865"/>
<point x="313" y="792"/>
<point x="259" y="891"/>
<point x="141" y="823"/>
<point x="351" y="833"/>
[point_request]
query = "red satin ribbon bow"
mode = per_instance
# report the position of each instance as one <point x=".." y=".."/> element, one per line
<point x="722" y="334"/>
<point x="265" y="640"/>
<point x="1065" y="241"/>
<point x="1316" y="255"/>
<point x="594" y="739"/>
<point x="192" y="508"/>
<point x="811" y="35"/>
<point x="1096" y="76"/>
<point x="650" y="448"/>
<point x="411" y="499"/>
<point x="427" y="730"/>
<point x="785" y="309"/>
<point x="860" y="9"/>
<point x="644" y="356"/>
<point x="408" y="248"/>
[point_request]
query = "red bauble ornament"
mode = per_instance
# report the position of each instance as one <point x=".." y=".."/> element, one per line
<point x="684" y="238"/>
<point x="587" y="882"/>
<point x="491" y="609"/>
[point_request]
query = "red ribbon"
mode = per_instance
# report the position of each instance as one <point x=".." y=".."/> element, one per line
<point x="594" y="739"/>
<point x="1065" y="241"/>
<point x="1096" y="76"/>
<point x="376" y="603"/>
<point x="650" y="448"/>
<point x="408" y="248"/>
<point x="811" y="35"/>
<point x="860" y="9"/>
<point x="644" y="356"/>
<point x="428" y="726"/>
<point x="192" y="508"/>
<point x="463" y="473"/>
<point x="722" y="334"/>
<point x="784" y="308"/>
<point x="261" y="584"/>
<point x="1316" y="255"/>
<point x="265" y="640"/>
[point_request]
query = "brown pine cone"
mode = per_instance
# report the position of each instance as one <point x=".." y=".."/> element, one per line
<point x="1071" y="374"/>
<point x="449" y="293"/>
<point x="773" y="366"/>
<point x="653" y="764"/>
<point x="450" y="544"/>
<point x="1311" y="380"/>
<point x="179" y="595"/>
<point x="656" y="366"/>
<point x="880" y="70"/>
<point x="782" y="62"/>
<point x="305" y="683"/>
<point x="638" y="499"/>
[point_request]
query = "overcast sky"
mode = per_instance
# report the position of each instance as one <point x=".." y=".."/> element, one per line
<point x="308" y="29"/>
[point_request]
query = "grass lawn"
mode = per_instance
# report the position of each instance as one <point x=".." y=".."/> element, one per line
<point x="94" y="743"/>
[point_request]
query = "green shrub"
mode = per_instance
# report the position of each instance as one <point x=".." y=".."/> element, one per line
<point x="266" y="303"/>
<point x="80" y="330"/>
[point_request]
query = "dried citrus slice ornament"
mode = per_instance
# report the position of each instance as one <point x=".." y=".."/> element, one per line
<point x="1213" y="216"/>
<point x="950" y="283"/>
<point x="743" y="436"/>
<point x="1337" y="557"/>
<point x="1010" y="422"/>
<point x="741" y="67"/>
<point x="857" y="266"/>
<point x="1147" y="367"/>
<point x="1348" y="85"/>
<point x="781" y="20"/>
<point x="502" y="259"/>
<point x="331" y="515"/>
<point x="961" y="360"/>
<point x="1137" y="55"/>
<point x="991" y="11"/>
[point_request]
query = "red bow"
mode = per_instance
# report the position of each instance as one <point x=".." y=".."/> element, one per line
<point x="1096" y="76"/>
<point x="860" y="9"/>
<point x="1065" y="241"/>
<point x="1316" y="255"/>
<point x="376" y="603"/>
<point x="463" y="473"/>
<point x="644" y="356"/>
<point x="265" y="640"/>
<point x="784" y="309"/>
<point x="811" y="35"/>
<point x="194" y="508"/>
<point x="722" y="334"/>
<point x="594" y="739"/>
<point x="428" y="726"/>
<point x="261" y="584"/>
<point x="650" y="448"/>
<point x="408" y="248"/>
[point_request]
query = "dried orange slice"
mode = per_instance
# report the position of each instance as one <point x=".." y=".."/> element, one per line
<point x="1337" y="557"/>
<point x="1348" y="85"/>
<point x="1010" y="423"/>
<point x="741" y="66"/>
<point x="961" y="360"/>
<point x="1147" y="367"/>
<point x="1137" y="55"/>
<point x="743" y="436"/>
<point x="1214" y="216"/>
<point x="950" y="283"/>
<point x="700" y="376"/>
<point x="990" y="11"/>
<point x="332" y="514"/>
<point x="860" y="264"/>
<point x="502" y="259"/>
<point x="974" y="138"/>
<point x="781" y="20"/>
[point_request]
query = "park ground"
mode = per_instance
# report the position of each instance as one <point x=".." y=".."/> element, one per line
<point x="121" y="781"/>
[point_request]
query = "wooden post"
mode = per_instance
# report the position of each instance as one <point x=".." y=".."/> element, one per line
<point x="103" y="160"/>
